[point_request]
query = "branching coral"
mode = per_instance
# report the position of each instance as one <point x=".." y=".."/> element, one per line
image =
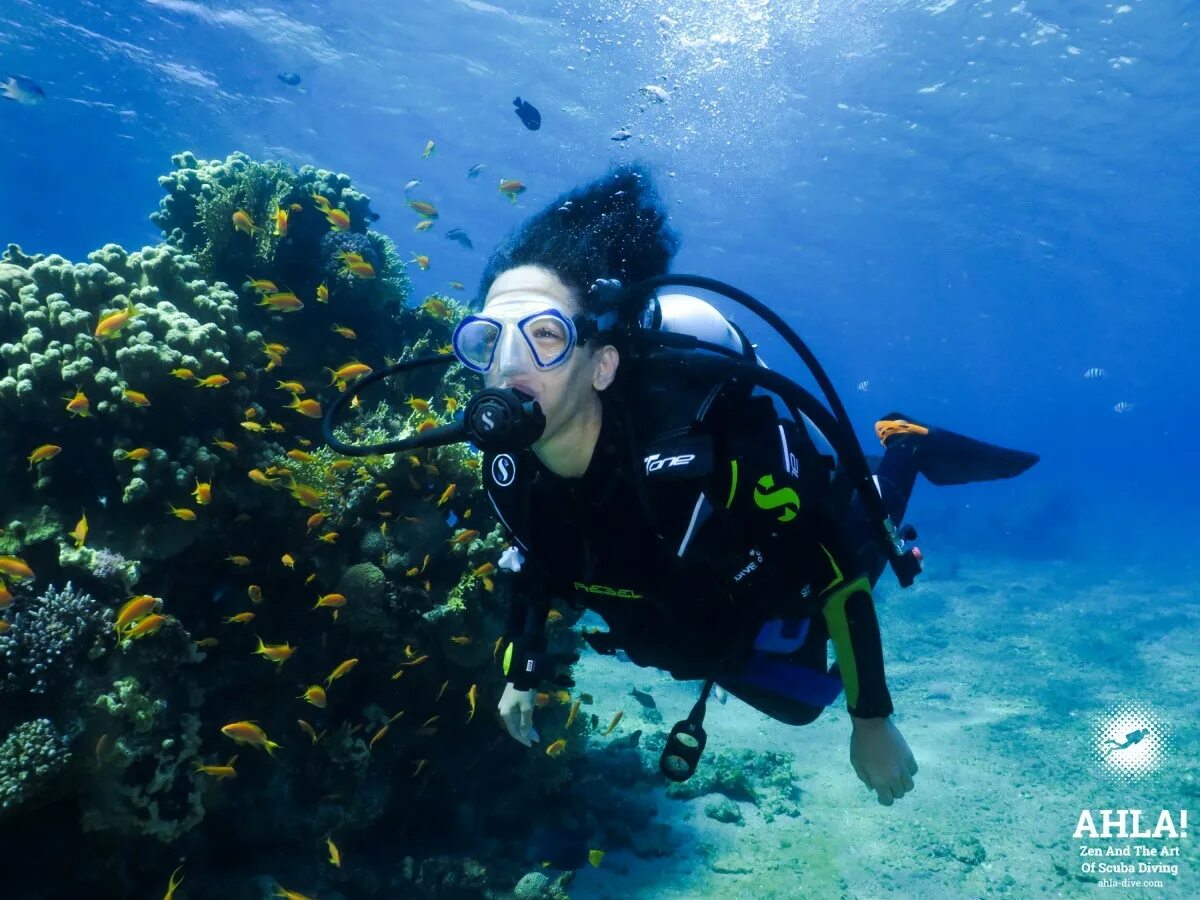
<point x="50" y="636"/>
<point x="31" y="757"/>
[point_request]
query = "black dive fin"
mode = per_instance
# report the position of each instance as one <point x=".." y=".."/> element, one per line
<point x="944" y="457"/>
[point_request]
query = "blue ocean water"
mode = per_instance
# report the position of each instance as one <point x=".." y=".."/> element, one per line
<point x="963" y="207"/>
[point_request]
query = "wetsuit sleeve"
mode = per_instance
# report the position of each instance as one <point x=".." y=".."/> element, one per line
<point x="525" y="662"/>
<point x="780" y="510"/>
<point x="531" y="602"/>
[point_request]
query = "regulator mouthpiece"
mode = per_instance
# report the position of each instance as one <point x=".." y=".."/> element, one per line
<point x="503" y="420"/>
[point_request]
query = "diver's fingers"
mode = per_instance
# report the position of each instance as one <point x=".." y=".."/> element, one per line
<point x="886" y="796"/>
<point x="906" y="783"/>
<point x="526" y="719"/>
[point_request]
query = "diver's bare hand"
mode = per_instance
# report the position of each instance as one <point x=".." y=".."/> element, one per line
<point x="516" y="710"/>
<point x="882" y="759"/>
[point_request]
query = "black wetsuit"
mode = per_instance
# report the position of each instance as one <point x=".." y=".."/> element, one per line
<point x="724" y="530"/>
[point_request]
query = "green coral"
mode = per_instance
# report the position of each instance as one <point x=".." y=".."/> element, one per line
<point x="128" y="701"/>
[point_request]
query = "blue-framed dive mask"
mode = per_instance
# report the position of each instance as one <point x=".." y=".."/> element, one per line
<point x="482" y="342"/>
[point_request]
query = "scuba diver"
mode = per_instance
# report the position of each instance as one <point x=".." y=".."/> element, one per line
<point x="646" y="465"/>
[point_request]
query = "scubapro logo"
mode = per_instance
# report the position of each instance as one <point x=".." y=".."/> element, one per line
<point x="1131" y="740"/>
<point x="766" y="497"/>
<point x="504" y="470"/>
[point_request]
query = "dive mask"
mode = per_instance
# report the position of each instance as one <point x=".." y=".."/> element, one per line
<point x="483" y="342"/>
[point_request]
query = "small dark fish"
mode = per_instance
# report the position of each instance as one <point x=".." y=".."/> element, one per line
<point x="528" y="114"/>
<point x="289" y="78"/>
<point x="476" y="169"/>
<point x="457" y="234"/>
<point x="24" y="90"/>
<point x="644" y="697"/>
<point x="621" y="134"/>
<point x="374" y="217"/>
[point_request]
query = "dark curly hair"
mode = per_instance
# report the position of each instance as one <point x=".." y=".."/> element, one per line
<point x="612" y="227"/>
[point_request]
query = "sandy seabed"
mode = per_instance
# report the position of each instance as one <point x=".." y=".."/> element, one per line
<point x="998" y="675"/>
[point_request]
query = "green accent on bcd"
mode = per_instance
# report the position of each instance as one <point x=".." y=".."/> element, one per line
<point x="839" y="633"/>
<point x="507" y="661"/>
<point x="767" y="497"/>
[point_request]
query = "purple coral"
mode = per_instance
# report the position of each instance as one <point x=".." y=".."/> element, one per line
<point x="108" y="564"/>
<point x="50" y="635"/>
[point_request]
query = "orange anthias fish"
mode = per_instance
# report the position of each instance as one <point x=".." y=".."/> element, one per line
<point x="558" y="748"/>
<point x="145" y="627"/>
<point x="510" y="188"/>
<point x="472" y="696"/>
<point x="430" y="146"/>
<point x="322" y="293"/>
<point x="342" y="669"/>
<point x="134" y="609"/>
<point x="137" y="454"/>
<point x="212" y="381"/>
<point x="137" y="398"/>
<point x="243" y="222"/>
<point x="359" y="269"/>
<point x="573" y="713"/>
<point x="43" y="453"/>
<point x="348" y="333"/>
<point x="437" y="308"/>
<point x="352" y="369"/>
<point x="15" y="568"/>
<point x="281" y="222"/>
<point x="421" y="260"/>
<point x="113" y="322"/>
<point x="262" y="285"/>
<point x="314" y="695"/>
<point x="464" y="536"/>
<point x="309" y="407"/>
<point x="219" y="772"/>
<point x="276" y="653"/>
<point x="338" y="219"/>
<point x="421" y="208"/>
<point x="203" y="492"/>
<point x="285" y="301"/>
<point x="613" y="723"/>
<point x="81" y="530"/>
<point x="79" y="405"/>
<point x="332" y="601"/>
<point x="447" y="494"/>
<point x="249" y="733"/>
<point x="185" y="514"/>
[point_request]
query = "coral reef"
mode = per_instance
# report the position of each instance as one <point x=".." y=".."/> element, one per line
<point x="50" y="637"/>
<point x="163" y="405"/>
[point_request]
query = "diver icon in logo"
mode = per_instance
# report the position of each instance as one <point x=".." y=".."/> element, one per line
<point x="1131" y="740"/>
